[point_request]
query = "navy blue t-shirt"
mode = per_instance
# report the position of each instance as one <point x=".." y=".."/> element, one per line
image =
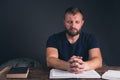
<point x="79" y="48"/>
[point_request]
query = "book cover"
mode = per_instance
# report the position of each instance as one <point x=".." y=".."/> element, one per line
<point x="56" y="73"/>
<point x="18" y="72"/>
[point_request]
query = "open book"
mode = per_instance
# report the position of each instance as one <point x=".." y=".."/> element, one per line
<point x="111" y="75"/>
<point x="55" y="73"/>
<point x="18" y="72"/>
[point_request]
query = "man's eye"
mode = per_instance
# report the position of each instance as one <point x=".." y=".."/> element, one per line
<point x="77" y="22"/>
<point x="69" y="22"/>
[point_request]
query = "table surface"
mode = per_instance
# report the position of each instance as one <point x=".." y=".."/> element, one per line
<point x="39" y="74"/>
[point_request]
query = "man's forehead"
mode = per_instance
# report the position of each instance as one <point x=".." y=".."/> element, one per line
<point x="70" y="15"/>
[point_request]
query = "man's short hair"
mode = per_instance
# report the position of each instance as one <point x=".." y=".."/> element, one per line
<point x="73" y="10"/>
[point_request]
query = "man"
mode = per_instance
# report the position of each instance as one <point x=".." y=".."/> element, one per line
<point x="73" y="50"/>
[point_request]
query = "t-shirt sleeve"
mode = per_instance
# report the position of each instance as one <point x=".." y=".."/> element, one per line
<point x="93" y="42"/>
<point x="52" y="42"/>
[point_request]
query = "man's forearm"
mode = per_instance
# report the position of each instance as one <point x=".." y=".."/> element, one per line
<point x="93" y="64"/>
<point x="57" y="63"/>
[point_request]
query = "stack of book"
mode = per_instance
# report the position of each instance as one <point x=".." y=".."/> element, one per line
<point x="18" y="72"/>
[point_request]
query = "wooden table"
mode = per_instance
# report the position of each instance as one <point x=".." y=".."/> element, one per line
<point x="39" y="74"/>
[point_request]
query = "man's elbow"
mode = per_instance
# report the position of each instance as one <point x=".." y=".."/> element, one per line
<point x="48" y="62"/>
<point x="100" y="63"/>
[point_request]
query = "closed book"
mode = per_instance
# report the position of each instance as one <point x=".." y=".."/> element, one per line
<point x="18" y="72"/>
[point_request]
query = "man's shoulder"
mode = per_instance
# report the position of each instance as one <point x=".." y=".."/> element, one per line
<point x="55" y="39"/>
<point x="87" y="36"/>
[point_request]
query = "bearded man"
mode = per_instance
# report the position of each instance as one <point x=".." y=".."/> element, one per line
<point x="73" y="50"/>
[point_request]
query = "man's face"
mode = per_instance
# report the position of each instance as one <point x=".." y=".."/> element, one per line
<point x="73" y="23"/>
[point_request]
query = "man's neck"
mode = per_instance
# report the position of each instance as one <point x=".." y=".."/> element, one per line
<point x="72" y="39"/>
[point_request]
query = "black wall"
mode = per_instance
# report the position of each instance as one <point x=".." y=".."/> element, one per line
<point x="25" y="26"/>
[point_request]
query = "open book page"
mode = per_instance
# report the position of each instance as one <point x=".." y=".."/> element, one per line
<point x="111" y="75"/>
<point x="55" y="73"/>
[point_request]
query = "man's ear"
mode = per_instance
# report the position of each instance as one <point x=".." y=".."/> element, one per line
<point x="82" y="22"/>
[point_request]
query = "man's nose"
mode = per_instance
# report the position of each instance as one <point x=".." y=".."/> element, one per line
<point x="73" y="25"/>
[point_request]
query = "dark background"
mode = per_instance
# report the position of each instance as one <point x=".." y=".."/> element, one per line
<point x="25" y="26"/>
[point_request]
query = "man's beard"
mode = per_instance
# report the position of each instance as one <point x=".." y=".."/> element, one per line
<point x="72" y="34"/>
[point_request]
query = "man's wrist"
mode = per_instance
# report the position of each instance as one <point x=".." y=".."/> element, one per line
<point x="86" y="66"/>
<point x="67" y="66"/>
